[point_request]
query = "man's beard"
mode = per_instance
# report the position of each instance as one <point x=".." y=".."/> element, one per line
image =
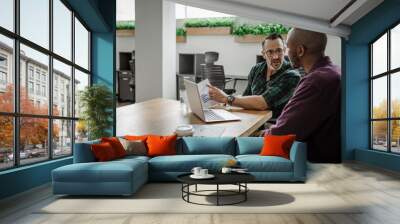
<point x="276" y="65"/>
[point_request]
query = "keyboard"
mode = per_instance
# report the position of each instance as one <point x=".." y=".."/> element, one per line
<point x="212" y="116"/>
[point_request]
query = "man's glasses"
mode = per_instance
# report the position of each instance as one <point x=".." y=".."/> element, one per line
<point x="271" y="52"/>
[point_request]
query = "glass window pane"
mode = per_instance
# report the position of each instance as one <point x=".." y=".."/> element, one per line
<point x="35" y="21"/>
<point x="395" y="47"/>
<point x="81" y="81"/>
<point x="81" y="131"/>
<point x="62" y="29"/>
<point x="395" y="95"/>
<point x="62" y="89"/>
<point x="6" y="142"/>
<point x="81" y="45"/>
<point x="34" y="80"/>
<point x="7" y="14"/>
<point x="33" y="140"/>
<point x="395" y="136"/>
<point x="379" y="135"/>
<point x="62" y="138"/>
<point x="379" y="97"/>
<point x="6" y="74"/>
<point x="379" y="55"/>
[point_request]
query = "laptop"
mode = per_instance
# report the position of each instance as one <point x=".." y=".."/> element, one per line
<point x="197" y="103"/>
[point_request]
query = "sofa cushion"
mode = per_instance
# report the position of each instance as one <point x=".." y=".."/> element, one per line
<point x="277" y="145"/>
<point x="161" y="145"/>
<point x="208" y="145"/>
<point x="257" y="163"/>
<point x="135" y="147"/>
<point x="103" y="152"/>
<point x="112" y="171"/>
<point x="116" y="145"/>
<point x="249" y="145"/>
<point x="185" y="163"/>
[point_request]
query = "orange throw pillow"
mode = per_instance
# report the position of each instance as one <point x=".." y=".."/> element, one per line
<point x="103" y="152"/>
<point x="161" y="145"/>
<point x="136" y="137"/>
<point x="277" y="145"/>
<point x="116" y="145"/>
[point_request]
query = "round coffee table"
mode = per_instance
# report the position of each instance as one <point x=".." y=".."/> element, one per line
<point x="238" y="179"/>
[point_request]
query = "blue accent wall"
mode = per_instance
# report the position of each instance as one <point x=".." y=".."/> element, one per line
<point x="100" y="17"/>
<point x="103" y="53"/>
<point x="24" y="178"/>
<point x="355" y="111"/>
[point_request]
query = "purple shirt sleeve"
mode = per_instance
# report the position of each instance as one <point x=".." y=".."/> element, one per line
<point x="301" y="116"/>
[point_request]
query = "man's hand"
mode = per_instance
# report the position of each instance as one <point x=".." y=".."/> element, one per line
<point x="217" y="94"/>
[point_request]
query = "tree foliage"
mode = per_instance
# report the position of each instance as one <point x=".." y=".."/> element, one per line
<point x="33" y="131"/>
<point x="96" y="102"/>
<point x="379" y="128"/>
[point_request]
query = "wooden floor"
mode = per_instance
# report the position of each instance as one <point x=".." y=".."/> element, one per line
<point x="379" y="189"/>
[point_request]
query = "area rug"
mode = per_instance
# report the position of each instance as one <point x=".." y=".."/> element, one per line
<point x="167" y="198"/>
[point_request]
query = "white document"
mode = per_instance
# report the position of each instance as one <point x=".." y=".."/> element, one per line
<point x="205" y="98"/>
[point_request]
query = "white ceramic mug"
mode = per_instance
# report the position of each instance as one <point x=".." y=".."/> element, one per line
<point x="203" y="172"/>
<point x="226" y="170"/>
<point x="196" y="171"/>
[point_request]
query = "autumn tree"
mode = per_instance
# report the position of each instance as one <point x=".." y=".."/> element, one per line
<point x="33" y="131"/>
<point x="380" y="127"/>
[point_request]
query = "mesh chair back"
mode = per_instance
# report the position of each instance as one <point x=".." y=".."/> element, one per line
<point x="215" y="74"/>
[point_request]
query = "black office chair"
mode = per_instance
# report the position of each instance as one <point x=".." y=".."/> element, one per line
<point x="215" y="73"/>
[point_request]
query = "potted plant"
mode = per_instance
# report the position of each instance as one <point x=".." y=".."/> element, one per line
<point x="246" y="33"/>
<point x="125" y="28"/>
<point x="180" y="35"/>
<point x="212" y="26"/>
<point x="96" y="102"/>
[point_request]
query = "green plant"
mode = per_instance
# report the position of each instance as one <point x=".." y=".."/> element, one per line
<point x="125" y="25"/>
<point x="96" y="102"/>
<point x="259" y="29"/>
<point x="180" y="31"/>
<point x="211" y="22"/>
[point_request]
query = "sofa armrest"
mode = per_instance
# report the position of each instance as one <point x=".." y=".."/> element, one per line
<point x="298" y="155"/>
<point x="83" y="152"/>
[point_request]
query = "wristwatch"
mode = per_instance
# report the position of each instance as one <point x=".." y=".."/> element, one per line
<point x="230" y="100"/>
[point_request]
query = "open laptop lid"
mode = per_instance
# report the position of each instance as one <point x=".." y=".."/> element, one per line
<point x="193" y="96"/>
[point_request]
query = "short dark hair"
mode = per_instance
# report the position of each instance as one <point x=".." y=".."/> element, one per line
<point x="272" y="36"/>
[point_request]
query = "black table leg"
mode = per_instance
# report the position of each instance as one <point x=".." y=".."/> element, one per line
<point x="245" y="193"/>
<point x="217" y="194"/>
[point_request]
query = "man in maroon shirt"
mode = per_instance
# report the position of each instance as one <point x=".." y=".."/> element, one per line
<point x="313" y="113"/>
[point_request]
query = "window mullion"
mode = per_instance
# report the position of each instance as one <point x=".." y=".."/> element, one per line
<point x="389" y="106"/>
<point x="16" y="84"/>
<point x="50" y="81"/>
<point x="73" y="82"/>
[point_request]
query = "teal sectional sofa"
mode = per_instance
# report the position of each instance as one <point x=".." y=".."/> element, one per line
<point x="125" y="176"/>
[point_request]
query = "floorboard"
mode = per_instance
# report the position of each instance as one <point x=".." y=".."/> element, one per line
<point x="354" y="182"/>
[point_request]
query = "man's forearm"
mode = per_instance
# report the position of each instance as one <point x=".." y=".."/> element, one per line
<point x="250" y="102"/>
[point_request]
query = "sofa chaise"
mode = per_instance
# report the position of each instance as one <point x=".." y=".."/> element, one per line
<point x="125" y="176"/>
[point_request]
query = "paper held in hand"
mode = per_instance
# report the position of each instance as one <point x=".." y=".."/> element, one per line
<point x="205" y="98"/>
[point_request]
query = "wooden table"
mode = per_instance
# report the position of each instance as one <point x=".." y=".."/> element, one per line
<point x="162" y="116"/>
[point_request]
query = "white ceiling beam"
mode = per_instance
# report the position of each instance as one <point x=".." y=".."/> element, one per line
<point x="348" y="12"/>
<point x="269" y="15"/>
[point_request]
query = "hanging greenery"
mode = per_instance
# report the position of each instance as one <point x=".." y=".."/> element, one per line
<point x="125" y="25"/>
<point x="211" y="22"/>
<point x="259" y="29"/>
<point x="180" y="31"/>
